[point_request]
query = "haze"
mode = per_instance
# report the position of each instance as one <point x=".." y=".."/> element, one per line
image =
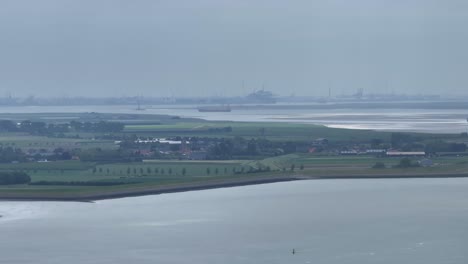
<point x="193" y="48"/>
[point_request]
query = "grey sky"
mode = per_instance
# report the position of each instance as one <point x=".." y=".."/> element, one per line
<point x="207" y="47"/>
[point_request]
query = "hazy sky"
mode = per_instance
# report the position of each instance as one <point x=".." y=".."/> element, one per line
<point x="208" y="47"/>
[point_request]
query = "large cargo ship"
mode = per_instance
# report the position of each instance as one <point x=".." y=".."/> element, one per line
<point x="214" y="108"/>
<point x="261" y="97"/>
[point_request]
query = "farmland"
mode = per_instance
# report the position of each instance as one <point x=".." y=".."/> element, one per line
<point x="82" y="161"/>
<point x="160" y="174"/>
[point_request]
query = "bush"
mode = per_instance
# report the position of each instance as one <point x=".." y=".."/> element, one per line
<point x="379" y="165"/>
<point x="293" y="167"/>
<point x="441" y="146"/>
<point x="14" y="178"/>
<point x="407" y="163"/>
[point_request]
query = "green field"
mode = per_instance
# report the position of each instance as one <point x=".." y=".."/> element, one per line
<point x="66" y="171"/>
<point x="159" y="173"/>
<point x="64" y="178"/>
<point x="173" y="170"/>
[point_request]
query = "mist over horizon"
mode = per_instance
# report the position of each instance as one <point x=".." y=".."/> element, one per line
<point x="207" y="48"/>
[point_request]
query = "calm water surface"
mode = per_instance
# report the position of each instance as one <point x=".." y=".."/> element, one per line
<point x="325" y="221"/>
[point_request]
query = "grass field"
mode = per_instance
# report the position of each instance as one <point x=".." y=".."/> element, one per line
<point x="174" y="170"/>
<point x="160" y="173"/>
<point x="67" y="171"/>
<point x="273" y="131"/>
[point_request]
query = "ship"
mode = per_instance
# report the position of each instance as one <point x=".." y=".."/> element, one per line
<point x="260" y="97"/>
<point x="214" y="108"/>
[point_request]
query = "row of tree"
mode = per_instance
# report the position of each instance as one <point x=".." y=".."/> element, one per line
<point x="183" y="171"/>
<point x="42" y="128"/>
<point x="238" y="146"/>
<point x="80" y="183"/>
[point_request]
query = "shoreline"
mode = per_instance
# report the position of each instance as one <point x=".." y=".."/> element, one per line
<point x="150" y="190"/>
<point x="208" y="185"/>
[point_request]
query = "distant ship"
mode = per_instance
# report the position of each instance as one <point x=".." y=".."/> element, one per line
<point x="219" y="108"/>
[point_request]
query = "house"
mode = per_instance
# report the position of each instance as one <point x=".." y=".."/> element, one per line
<point x="349" y="152"/>
<point x="405" y="153"/>
<point x="376" y="151"/>
<point x="319" y="142"/>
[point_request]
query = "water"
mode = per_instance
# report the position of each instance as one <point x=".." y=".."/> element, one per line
<point x="325" y="221"/>
<point x="414" y="120"/>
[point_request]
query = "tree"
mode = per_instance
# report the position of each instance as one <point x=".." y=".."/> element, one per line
<point x="108" y="171"/>
<point x="148" y="170"/>
<point x="128" y="170"/>
<point x="14" y="177"/>
<point x="142" y="171"/>
<point x="406" y="163"/>
<point x="8" y="126"/>
<point x="184" y="171"/>
<point x="252" y="147"/>
<point x="379" y="165"/>
<point x="216" y="171"/>
<point x="94" y="170"/>
<point x="100" y="170"/>
<point x="441" y="146"/>
<point x="222" y="150"/>
<point x="208" y="171"/>
<point x="301" y="167"/>
<point x="401" y="139"/>
<point x="376" y="142"/>
<point x="169" y="171"/>
<point x="293" y="167"/>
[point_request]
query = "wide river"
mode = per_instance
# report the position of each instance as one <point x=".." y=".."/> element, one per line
<point x="415" y="120"/>
<point x="325" y="221"/>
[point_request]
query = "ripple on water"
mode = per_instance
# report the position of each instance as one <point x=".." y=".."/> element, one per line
<point x="12" y="211"/>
